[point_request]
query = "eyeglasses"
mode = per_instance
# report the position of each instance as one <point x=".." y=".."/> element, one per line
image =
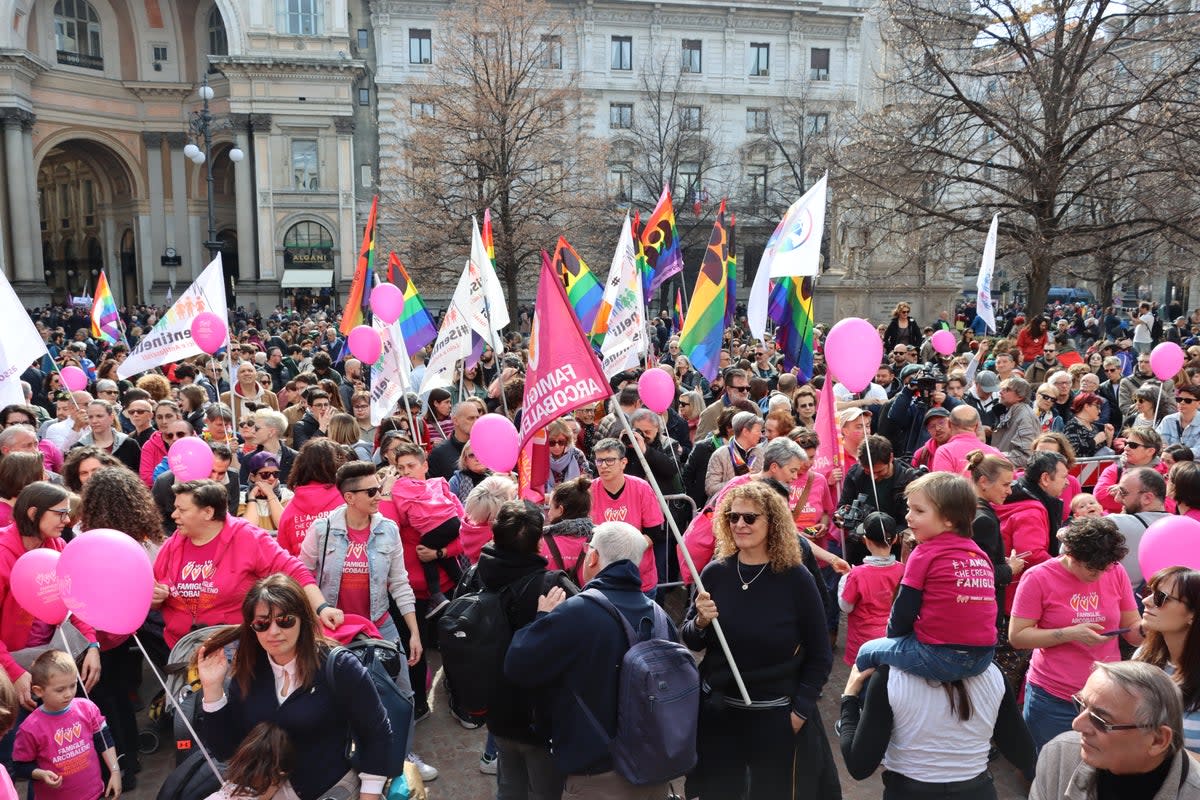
<point x="65" y="513"/>
<point x="738" y="388"/>
<point x="1050" y="350"/>
<point x="268" y="475"/>
<point x="606" y="462"/>
<point x="734" y="517"/>
<point x="137" y="411"/>
<point x="285" y="622"/>
<point x="1098" y="721"/>
<point x="557" y="442"/>
<point x="168" y="435"/>
<point x="684" y="404"/>
<point x="370" y="491"/>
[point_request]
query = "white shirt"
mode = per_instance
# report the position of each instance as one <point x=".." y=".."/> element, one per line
<point x="1141" y="332"/>
<point x="62" y="434"/>
<point x="873" y="392"/>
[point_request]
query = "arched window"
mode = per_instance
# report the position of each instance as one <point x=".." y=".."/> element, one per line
<point x="77" y="34"/>
<point x="218" y="41"/>
<point x="308" y="234"/>
<point x="308" y="245"/>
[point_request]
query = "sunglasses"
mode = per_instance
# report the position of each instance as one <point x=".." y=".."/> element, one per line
<point x="1101" y="723"/>
<point x="285" y="622"/>
<point x="738" y="388"/>
<point x="269" y="475"/>
<point x="1047" y="396"/>
<point x="245" y="424"/>
<point x="138" y="411"/>
<point x="370" y="491"/>
<point x="1186" y="401"/>
<point x="557" y="442"/>
<point x="734" y="517"/>
<point x="1130" y="445"/>
<point x="173" y="435"/>
<point x="1160" y="598"/>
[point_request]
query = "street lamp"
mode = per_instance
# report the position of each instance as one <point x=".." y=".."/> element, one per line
<point x="202" y="124"/>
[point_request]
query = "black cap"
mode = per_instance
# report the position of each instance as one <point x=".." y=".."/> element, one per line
<point x="934" y="413"/>
<point x="878" y="527"/>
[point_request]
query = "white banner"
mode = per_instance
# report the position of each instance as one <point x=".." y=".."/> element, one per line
<point x="983" y="296"/>
<point x="453" y="343"/>
<point x="171" y="337"/>
<point x="625" y="342"/>
<point x="391" y="375"/>
<point x="488" y="313"/>
<point x="795" y="247"/>
<point x="20" y="345"/>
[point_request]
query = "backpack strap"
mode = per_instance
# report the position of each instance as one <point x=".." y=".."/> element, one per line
<point x="1138" y="517"/>
<point x="597" y="597"/>
<point x="554" y="551"/>
<point x="330" y="671"/>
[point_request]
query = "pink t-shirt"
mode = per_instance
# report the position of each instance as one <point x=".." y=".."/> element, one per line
<point x="818" y="503"/>
<point x="7" y="790"/>
<point x="474" y="536"/>
<point x="958" y="605"/>
<point x="5" y="514"/>
<point x="952" y="456"/>
<point x="636" y="505"/>
<point x="870" y="588"/>
<point x="354" y="592"/>
<point x="1050" y="594"/>
<point x="62" y="743"/>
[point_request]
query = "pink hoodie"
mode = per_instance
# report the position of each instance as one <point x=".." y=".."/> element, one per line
<point x="312" y="501"/>
<point x="153" y="452"/>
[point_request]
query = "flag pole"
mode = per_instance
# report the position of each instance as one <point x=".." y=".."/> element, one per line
<point x="670" y="520"/>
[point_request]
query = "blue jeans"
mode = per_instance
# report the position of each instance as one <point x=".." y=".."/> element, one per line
<point x="932" y="662"/>
<point x="1046" y="716"/>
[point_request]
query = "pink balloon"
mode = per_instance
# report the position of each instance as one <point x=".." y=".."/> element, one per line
<point x="656" y="389"/>
<point x="494" y="440"/>
<point x="853" y="351"/>
<point x="944" y="342"/>
<point x="190" y="459"/>
<point x="365" y="344"/>
<point x="34" y="584"/>
<point x="1169" y="542"/>
<point x="74" y="378"/>
<point x="1166" y="360"/>
<point x="387" y="302"/>
<point x="209" y="332"/>
<point x="106" y="580"/>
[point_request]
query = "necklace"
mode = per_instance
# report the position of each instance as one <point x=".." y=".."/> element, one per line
<point x="746" y="583"/>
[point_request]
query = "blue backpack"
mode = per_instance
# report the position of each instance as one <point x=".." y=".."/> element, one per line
<point x="658" y="703"/>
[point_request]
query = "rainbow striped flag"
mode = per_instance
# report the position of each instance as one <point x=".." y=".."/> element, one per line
<point x="106" y="323"/>
<point x="677" y="312"/>
<point x="791" y="307"/>
<point x="358" y="299"/>
<point x="416" y="323"/>
<point x="705" y="323"/>
<point x="489" y="242"/>
<point x="583" y="290"/>
<point x="660" y="238"/>
<point x="731" y="276"/>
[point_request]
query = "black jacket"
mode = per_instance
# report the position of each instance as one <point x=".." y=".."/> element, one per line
<point x="443" y="458"/>
<point x="307" y="428"/>
<point x="697" y="467"/>
<point x="858" y="481"/>
<point x="511" y="716"/>
<point x="985" y="530"/>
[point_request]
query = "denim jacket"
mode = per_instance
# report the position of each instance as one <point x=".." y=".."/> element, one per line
<point x="324" y="553"/>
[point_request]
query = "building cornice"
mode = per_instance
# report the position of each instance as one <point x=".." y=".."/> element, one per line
<point x="275" y="67"/>
<point x="151" y="90"/>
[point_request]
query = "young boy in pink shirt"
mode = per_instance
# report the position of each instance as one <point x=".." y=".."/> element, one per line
<point x="943" y="623"/>
<point x="54" y="745"/>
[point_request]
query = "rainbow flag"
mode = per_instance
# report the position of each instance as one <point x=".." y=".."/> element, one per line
<point x="106" y="323"/>
<point x="416" y="323"/>
<point x="791" y="307"/>
<point x="358" y="299"/>
<point x="489" y="242"/>
<point x="583" y="290"/>
<point x="660" y="238"/>
<point x="731" y="276"/>
<point x="705" y="323"/>
<point x="677" y="312"/>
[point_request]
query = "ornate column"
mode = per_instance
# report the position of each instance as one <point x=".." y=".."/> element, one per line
<point x="260" y="156"/>
<point x="347" y="208"/>
<point x="178" y="234"/>
<point x="19" y="203"/>
<point x="31" y="192"/>
<point x="157" y="202"/>
<point x="243" y="192"/>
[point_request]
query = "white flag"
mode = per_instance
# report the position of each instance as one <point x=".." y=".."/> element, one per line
<point x="171" y="337"/>
<point x="795" y="247"/>
<point x="486" y="293"/>
<point x="453" y="343"/>
<point x="20" y="345"/>
<point x="758" y="305"/>
<point x="391" y="375"/>
<point x="983" y="299"/>
<point x="625" y="341"/>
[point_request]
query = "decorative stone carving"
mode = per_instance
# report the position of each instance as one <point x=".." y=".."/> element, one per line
<point x="344" y="125"/>
<point x="152" y="138"/>
<point x="175" y="140"/>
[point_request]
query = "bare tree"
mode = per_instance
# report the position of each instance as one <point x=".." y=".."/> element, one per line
<point x="501" y="125"/>
<point x="1067" y="119"/>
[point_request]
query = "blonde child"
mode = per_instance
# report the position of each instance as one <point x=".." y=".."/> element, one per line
<point x="1085" y="504"/>
<point x="54" y="746"/>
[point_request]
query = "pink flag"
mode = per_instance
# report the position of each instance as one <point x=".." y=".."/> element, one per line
<point x="829" y="439"/>
<point x="563" y="374"/>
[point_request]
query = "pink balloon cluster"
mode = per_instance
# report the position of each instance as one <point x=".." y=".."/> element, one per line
<point x="1169" y="542"/>
<point x="103" y="577"/>
<point x="495" y="442"/>
<point x="853" y="352"/>
<point x="74" y="378"/>
<point x="1166" y="360"/>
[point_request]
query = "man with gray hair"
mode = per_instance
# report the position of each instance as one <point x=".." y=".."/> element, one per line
<point x="738" y="456"/>
<point x="568" y="655"/>
<point x="1018" y="424"/>
<point x="1125" y="742"/>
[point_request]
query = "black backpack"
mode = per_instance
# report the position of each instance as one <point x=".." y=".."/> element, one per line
<point x="474" y="633"/>
<point x="383" y="661"/>
<point x="191" y="780"/>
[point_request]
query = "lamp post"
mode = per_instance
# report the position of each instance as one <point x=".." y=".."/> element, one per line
<point x="202" y="124"/>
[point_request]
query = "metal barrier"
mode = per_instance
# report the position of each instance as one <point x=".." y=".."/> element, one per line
<point x="1087" y="470"/>
<point x="670" y="584"/>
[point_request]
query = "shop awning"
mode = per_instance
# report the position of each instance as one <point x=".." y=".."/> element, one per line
<point x="307" y="279"/>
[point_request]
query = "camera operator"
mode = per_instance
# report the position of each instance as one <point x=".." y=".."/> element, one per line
<point x="858" y="497"/>
<point x="903" y="420"/>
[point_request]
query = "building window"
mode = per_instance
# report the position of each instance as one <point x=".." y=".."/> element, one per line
<point x="420" y="46"/>
<point x="692" y="51"/>
<point x="77" y="34"/>
<point x="552" y="54"/>
<point x="89" y="203"/>
<point x="760" y="59"/>
<point x="757" y="120"/>
<point x="758" y="182"/>
<point x="620" y="116"/>
<point x="364" y="39"/>
<point x="65" y="211"/>
<point x="690" y="118"/>
<point x="364" y="96"/>
<point x="308" y="245"/>
<point x="420" y="108"/>
<point x="619" y="183"/>
<point x="301" y="17"/>
<point x="819" y="64"/>
<point x="622" y="52"/>
<point x="689" y="182"/>
<point x="159" y="53"/>
<point x="816" y="123"/>
<point x="218" y="40"/>
<point x="305" y="174"/>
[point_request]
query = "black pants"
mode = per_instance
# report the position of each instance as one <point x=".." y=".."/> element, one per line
<point x="898" y="787"/>
<point x="112" y="695"/>
<point x="745" y="754"/>
<point x="436" y="539"/>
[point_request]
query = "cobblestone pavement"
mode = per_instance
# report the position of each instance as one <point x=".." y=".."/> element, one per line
<point x="445" y="744"/>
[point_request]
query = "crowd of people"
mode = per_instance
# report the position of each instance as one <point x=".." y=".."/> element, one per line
<point x="986" y="601"/>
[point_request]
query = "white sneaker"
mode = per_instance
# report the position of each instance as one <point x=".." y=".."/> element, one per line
<point x="427" y="772"/>
<point x="489" y="765"/>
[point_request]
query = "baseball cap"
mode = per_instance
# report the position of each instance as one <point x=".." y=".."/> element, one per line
<point x="935" y="413"/>
<point x="987" y="381"/>
<point x="851" y="414"/>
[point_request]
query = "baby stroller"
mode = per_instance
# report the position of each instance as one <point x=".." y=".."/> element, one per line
<point x="183" y="683"/>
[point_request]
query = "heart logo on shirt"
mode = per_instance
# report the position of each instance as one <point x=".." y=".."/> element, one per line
<point x="58" y="736"/>
<point x="77" y="730"/>
<point x="617" y="514"/>
<point x="1089" y="602"/>
<point x="207" y="571"/>
<point x="356" y="551"/>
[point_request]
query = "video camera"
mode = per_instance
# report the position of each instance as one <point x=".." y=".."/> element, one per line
<point x="925" y="382"/>
<point x="851" y="517"/>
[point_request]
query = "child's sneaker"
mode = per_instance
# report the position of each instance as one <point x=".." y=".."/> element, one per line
<point x="427" y="772"/>
<point x="488" y="763"/>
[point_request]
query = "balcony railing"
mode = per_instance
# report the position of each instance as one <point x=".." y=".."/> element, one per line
<point x="80" y="60"/>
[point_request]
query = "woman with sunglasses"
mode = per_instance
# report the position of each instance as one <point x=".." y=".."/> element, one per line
<point x="204" y="569"/>
<point x="691" y="404"/>
<point x="1143" y="446"/>
<point x="567" y="461"/>
<point x="39" y="517"/>
<point x="804" y="407"/>
<point x="772" y="616"/>
<point x="279" y="675"/>
<point x="902" y="329"/>
<point x="1173" y="641"/>
<point x="1043" y="407"/>
<point x="1069" y="611"/>
<point x="264" y="497"/>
